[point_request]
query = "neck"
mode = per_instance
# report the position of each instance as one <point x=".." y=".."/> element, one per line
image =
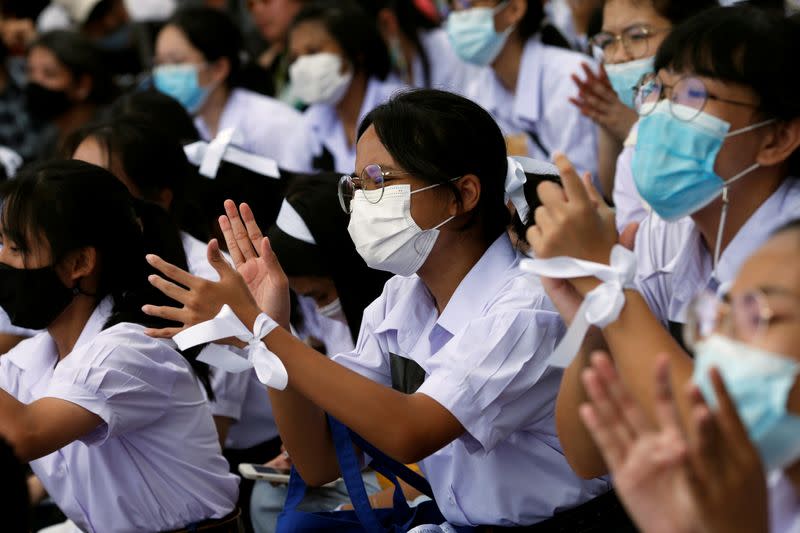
<point x="744" y="199"/>
<point x="211" y="111"/>
<point x="66" y="329"/>
<point x="507" y="64"/>
<point x="444" y="271"/>
<point x="349" y="108"/>
<point x="793" y="473"/>
<point x="74" y="118"/>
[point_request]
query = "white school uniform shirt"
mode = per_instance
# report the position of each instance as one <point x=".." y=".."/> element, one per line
<point x="482" y="357"/>
<point x="447" y="71"/>
<point x="629" y="206"/>
<point x="324" y="130"/>
<point x="540" y="104"/>
<point x="154" y="463"/>
<point x="264" y="125"/>
<point x="335" y="335"/>
<point x="673" y="264"/>
<point x="784" y="504"/>
<point x="239" y="396"/>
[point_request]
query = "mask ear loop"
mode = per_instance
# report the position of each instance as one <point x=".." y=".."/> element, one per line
<point x="723" y="217"/>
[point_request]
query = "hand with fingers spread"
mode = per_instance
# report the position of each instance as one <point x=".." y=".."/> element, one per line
<point x="597" y="100"/>
<point x="646" y="461"/>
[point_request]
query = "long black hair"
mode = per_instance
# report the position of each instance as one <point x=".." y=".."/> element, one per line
<point x="73" y="205"/>
<point x="438" y="136"/>
<point x="334" y="255"/>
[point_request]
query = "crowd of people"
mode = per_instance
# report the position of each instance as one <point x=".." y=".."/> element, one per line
<point x="400" y="265"/>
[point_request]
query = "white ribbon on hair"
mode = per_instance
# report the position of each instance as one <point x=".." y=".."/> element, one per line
<point x="209" y="156"/>
<point x="226" y="324"/>
<point x="516" y="179"/>
<point x="601" y="306"/>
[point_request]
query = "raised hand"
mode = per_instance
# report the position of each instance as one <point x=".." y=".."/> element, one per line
<point x="646" y="461"/>
<point x="256" y="262"/>
<point x="597" y="100"/>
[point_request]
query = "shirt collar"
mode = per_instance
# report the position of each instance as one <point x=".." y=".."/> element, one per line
<point x="229" y="117"/>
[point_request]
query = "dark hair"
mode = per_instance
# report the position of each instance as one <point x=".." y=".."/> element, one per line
<point x="314" y="198"/>
<point x="14" y="502"/>
<point x="214" y="34"/>
<point x="354" y="30"/>
<point x="23" y="9"/>
<point x="437" y="136"/>
<point x="72" y="205"/>
<point x="676" y="11"/>
<point x="534" y="22"/>
<point x="520" y="226"/>
<point x="742" y="44"/>
<point x="82" y="58"/>
<point x="158" y="108"/>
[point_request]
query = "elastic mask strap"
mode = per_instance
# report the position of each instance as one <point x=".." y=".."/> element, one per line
<point x="435" y="185"/>
<point x="723" y="218"/>
<point x="443" y="223"/>
<point x="751" y="127"/>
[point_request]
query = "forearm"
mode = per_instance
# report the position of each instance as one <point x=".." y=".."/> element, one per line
<point x="12" y="423"/>
<point x="576" y="441"/>
<point x="608" y="149"/>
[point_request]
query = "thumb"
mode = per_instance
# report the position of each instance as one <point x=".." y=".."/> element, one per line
<point x="628" y="236"/>
<point x="594" y="195"/>
<point x="270" y="259"/>
<point x="217" y="260"/>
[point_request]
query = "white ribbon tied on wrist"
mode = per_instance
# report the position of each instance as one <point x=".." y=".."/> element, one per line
<point x="226" y="324"/>
<point x="516" y="179"/>
<point x="601" y="306"/>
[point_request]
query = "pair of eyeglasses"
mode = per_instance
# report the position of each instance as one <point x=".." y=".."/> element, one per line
<point x="371" y="181"/>
<point x="635" y="41"/>
<point x="445" y="7"/>
<point x="687" y="98"/>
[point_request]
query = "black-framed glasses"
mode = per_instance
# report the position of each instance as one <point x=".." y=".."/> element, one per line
<point x="445" y="7"/>
<point x="687" y="97"/>
<point x="371" y="182"/>
<point x="635" y="41"/>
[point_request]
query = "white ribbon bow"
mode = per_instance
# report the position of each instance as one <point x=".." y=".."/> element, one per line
<point x="601" y="306"/>
<point x="226" y="324"/>
<point x="516" y="179"/>
<point x="209" y="156"/>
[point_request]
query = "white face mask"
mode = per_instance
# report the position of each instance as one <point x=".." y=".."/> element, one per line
<point x="385" y="234"/>
<point x="334" y="311"/>
<point x="318" y="78"/>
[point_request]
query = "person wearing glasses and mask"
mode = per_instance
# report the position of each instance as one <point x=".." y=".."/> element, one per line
<point x="525" y="80"/>
<point x="340" y="69"/>
<point x="716" y="155"/>
<point x="450" y="368"/>
<point x="632" y="32"/>
<point x="737" y="466"/>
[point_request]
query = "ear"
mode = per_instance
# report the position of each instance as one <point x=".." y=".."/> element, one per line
<point x="470" y="188"/>
<point x="77" y="265"/>
<point x="780" y="146"/>
<point x="388" y="26"/>
<point x="512" y="14"/>
<point x="83" y="88"/>
<point x="220" y="69"/>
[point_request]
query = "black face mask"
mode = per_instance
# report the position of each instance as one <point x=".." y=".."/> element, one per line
<point x="45" y="104"/>
<point x="33" y="297"/>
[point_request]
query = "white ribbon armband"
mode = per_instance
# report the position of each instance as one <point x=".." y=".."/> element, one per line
<point x="226" y="324"/>
<point x="600" y="307"/>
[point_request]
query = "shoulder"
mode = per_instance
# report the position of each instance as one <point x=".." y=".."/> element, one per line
<point x="481" y="88"/>
<point x="659" y="243"/>
<point x="258" y="106"/>
<point x="557" y="64"/>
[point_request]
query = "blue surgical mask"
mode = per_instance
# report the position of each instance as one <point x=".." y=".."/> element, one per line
<point x="472" y="34"/>
<point x="181" y="82"/>
<point x="625" y="76"/>
<point x="673" y="163"/>
<point x="759" y="383"/>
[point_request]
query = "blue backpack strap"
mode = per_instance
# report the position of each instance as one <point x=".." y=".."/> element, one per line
<point x="389" y="467"/>
<point x="296" y="491"/>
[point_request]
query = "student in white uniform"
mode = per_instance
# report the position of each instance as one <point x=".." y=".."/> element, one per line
<point x="126" y="146"/>
<point x="631" y="34"/>
<point x="113" y="424"/>
<point x="743" y="428"/>
<point x="450" y="368"/>
<point x="198" y="59"/>
<point x="525" y="83"/>
<point x="421" y="53"/>
<point x="715" y="158"/>
<point x="340" y="68"/>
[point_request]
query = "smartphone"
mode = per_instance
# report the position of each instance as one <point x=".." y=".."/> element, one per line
<point x="252" y="471"/>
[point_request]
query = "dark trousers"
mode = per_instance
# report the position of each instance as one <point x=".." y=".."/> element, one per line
<point x="258" y="454"/>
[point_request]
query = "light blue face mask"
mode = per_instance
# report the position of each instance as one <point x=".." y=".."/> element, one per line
<point x="673" y="163"/>
<point x="181" y="82"/>
<point x="759" y="383"/>
<point x="625" y="76"/>
<point x="472" y="34"/>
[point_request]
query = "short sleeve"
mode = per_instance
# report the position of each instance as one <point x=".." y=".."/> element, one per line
<point x="628" y="203"/>
<point x="487" y="376"/>
<point x="125" y="388"/>
<point x="652" y="281"/>
<point x="230" y="390"/>
<point x="298" y="152"/>
<point x="370" y="357"/>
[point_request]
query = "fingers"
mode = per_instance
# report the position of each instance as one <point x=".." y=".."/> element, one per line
<point x="665" y="409"/>
<point x="230" y="241"/>
<point x="703" y="438"/>
<point x="173" y="314"/>
<point x="239" y="231"/>
<point x="550" y="194"/>
<point x="627" y="407"/>
<point x="607" y="408"/>
<point x="165" y="333"/>
<point x="172" y="272"/>
<point x="594" y="195"/>
<point x="599" y="418"/>
<point x="628" y="236"/>
<point x="729" y="420"/>
<point x="179" y="294"/>
<point x="534" y="237"/>
<point x="573" y="187"/>
<point x="217" y="260"/>
<point x="253" y="231"/>
<point x="270" y="259"/>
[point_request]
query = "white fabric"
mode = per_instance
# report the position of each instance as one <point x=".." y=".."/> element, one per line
<point x="334" y="334"/>
<point x="601" y="306"/>
<point x="292" y="224"/>
<point x="53" y="17"/>
<point x="540" y="103"/>
<point x="267" y="126"/>
<point x="154" y="463"/>
<point x="324" y="130"/>
<point x="486" y="361"/>
<point x="10" y="160"/>
<point x="784" y="504"/>
<point x="150" y="10"/>
<point x="516" y="179"/>
<point x="78" y="10"/>
<point x="209" y="156"/>
<point x="447" y="71"/>
<point x="674" y="265"/>
<point x="628" y="204"/>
